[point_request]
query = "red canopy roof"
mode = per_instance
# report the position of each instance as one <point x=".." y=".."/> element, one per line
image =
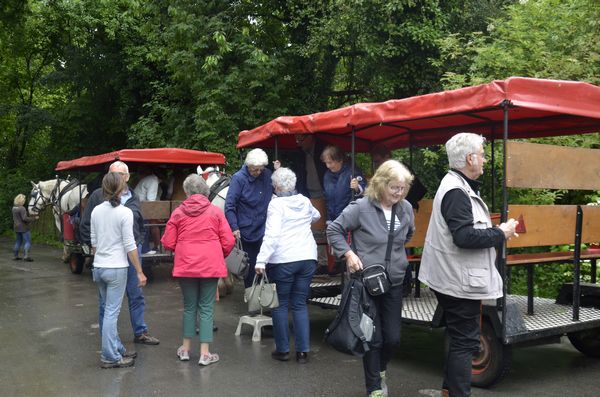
<point x="537" y="108"/>
<point x="162" y="156"/>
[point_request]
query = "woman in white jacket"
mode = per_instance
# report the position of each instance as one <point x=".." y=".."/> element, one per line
<point x="289" y="253"/>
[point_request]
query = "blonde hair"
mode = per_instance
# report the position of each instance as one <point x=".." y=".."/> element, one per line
<point x="19" y="199"/>
<point x="389" y="171"/>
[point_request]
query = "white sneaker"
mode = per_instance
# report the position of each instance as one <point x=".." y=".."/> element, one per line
<point x="184" y="355"/>
<point x="151" y="252"/>
<point x="207" y="359"/>
<point x="384" y="388"/>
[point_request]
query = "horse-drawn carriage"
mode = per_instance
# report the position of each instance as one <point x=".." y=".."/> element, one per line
<point x="68" y="196"/>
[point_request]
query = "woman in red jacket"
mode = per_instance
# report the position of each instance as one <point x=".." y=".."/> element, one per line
<point x="201" y="238"/>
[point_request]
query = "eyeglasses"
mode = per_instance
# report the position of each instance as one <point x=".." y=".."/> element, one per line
<point x="254" y="169"/>
<point x="397" y="189"/>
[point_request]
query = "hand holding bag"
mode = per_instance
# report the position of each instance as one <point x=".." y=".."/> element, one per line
<point x="237" y="261"/>
<point x="261" y="294"/>
<point x="251" y="296"/>
<point x="267" y="298"/>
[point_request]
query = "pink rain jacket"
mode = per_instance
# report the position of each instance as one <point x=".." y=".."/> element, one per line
<point x="201" y="238"/>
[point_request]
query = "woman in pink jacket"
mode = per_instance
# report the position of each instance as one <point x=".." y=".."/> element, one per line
<point x="201" y="238"/>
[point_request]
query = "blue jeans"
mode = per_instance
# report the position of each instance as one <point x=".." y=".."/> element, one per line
<point x="293" y="284"/>
<point x="135" y="298"/>
<point x="111" y="287"/>
<point x="24" y="239"/>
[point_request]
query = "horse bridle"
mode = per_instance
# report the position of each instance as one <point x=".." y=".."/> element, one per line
<point x="38" y="195"/>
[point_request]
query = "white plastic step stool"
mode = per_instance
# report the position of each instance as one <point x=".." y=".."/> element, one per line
<point x="257" y="322"/>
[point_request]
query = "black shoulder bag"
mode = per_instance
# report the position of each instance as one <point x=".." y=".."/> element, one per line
<point x="353" y="326"/>
<point x="375" y="277"/>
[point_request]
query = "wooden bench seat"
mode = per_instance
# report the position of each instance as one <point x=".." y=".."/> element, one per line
<point x="536" y="258"/>
<point x="548" y="257"/>
<point x="540" y="226"/>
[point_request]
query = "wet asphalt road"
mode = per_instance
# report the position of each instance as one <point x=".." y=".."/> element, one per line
<point x="50" y="347"/>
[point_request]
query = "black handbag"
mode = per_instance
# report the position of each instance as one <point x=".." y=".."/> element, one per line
<point x="237" y="261"/>
<point x="353" y="326"/>
<point x="374" y="276"/>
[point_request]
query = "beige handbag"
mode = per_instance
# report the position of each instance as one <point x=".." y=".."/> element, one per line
<point x="261" y="294"/>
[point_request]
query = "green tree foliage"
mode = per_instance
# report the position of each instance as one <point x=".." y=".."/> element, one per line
<point x="232" y="66"/>
<point x="555" y="39"/>
<point x="82" y="77"/>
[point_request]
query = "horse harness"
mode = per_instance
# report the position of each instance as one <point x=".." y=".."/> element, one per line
<point x="219" y="185"/>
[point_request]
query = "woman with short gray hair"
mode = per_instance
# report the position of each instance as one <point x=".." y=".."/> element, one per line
<point x="201" y="238"/>
<point x="195" y="184"/>
<point x="289" y="254"/>
<point x="246" y="205"/>
<point x="284" y="180"/>
<point x="257" y="158"/>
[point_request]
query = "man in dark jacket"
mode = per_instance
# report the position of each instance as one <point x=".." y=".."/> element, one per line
<point x="310" y="170"/>
<point x="135" y="297"/>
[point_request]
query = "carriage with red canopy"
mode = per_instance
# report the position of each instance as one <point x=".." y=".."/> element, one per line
<point x="174" y="160"/>
<point x="505" y="112"/>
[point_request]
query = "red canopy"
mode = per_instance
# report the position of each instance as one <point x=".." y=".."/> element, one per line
<point x="162" y="156"/>
<point x="537" y="108"/>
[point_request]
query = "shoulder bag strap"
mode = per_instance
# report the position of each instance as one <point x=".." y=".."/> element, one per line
<point x="388" y="252"/>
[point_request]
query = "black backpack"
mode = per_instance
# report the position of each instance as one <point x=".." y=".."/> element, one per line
<point x="344" y="333"/>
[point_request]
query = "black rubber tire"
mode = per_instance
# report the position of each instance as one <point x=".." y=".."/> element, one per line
<point x="493" y="361"/>
<point x="76" y="262"/>
<point x="587" y="341"/>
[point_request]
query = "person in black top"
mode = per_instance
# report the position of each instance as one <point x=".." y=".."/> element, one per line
<point x="135" y="297"/>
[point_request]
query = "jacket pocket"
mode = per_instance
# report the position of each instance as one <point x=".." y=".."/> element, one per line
<point x="475" y="280"/>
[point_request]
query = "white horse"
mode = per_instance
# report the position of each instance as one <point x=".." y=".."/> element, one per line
<point x="218" y="183"/>
<point x="63" y="195"/>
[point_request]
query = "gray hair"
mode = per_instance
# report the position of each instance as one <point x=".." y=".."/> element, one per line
<point x="460" y="146"/>
<point x="284" y="180"/>
<point x="256" y="158"/>
<point x="118" y="164"/>
<point x="195" y="184"/>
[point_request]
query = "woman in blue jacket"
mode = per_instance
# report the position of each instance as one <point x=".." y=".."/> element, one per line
<point x="340" y="184"/>
<point x="248" y="198"/>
